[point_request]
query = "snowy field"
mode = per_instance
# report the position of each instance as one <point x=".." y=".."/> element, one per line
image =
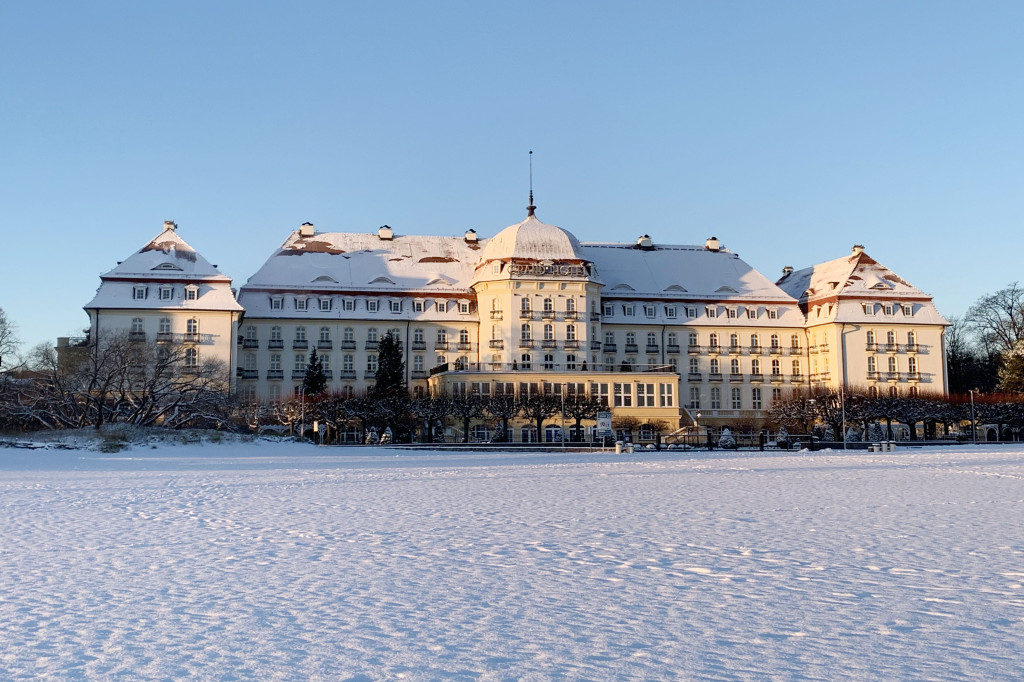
<point x="284" y="561"/>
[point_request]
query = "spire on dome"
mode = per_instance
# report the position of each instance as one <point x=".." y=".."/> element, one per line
<point x="531" y="208"/>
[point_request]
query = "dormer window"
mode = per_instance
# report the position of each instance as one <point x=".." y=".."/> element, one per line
<point x="139" y="293"/>
<point x="300" y="304"/>
<point x="372" y="305"/>
<point x="609" y="310"/>
<point x="732" y="313"/>
<point x="325" y="304"/>
<point x="276" y="303"/>
<point x="869" y="308"/>
<point x="649" y="310"/>
<point x="191" y="292"/>
<point x="166" y="293"/>
<point x="711" y="311"/>
<point x="441" y="306"/>
<point x="670" y="312"/>
<point x="348" y="304"/>
<point x="418" y="306"/>
<point x="396" y="306"/>
<point x="629" y="310"/>
<point x="887" y="309"/>
<point x="752" y="313"/>
<point x="773" y="314"/>
<point x="464" y="307"/>
<point x="908" y="310"/>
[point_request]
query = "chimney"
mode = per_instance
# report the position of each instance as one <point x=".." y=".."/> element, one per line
<point x="384" y="232"/>
<point x="787" y="271"/>
<point x="644" y="242"/>
<point x="170" y="225"/>
<point x="858" y="249"/>
<point x="306" y="230"/>
<point x="712" y="244"/>
<point x="471" y="236"/>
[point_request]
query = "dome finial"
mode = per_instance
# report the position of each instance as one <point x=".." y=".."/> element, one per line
<point x="531" y="208"/>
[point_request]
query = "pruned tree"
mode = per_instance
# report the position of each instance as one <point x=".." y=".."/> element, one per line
<point x="467" y="407"/>
<point x="430" y="414"/>
<point x="580" y="406"/>
<point x="504" y="408"/>
<point x="539" y="406"/>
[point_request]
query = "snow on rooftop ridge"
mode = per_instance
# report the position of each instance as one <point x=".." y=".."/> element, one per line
<point x="857" y="274"/>
<point x="166" y="255"/>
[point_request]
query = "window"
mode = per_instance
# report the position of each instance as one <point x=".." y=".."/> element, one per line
<point x="715" y="366"/>
<point x="276" y="303"/>
<point x="755" y="398"/>
<point x="796" y="368"/>
<point x="774" y="340"/>
<point x="250" y="332"/>
<point x="570" y="305"/>
<point x="871" y="338"/>
<point x="894" y="392"/>
<point x="755" y="342"/>
<point x="694" y="398"/>
<point x="691" y="311"/>
<point x="300" y="362"/>
<point x="773" y="314"/>
<point x="734" y="366"/>
<point x="525" y="361"/>
<point x="570" y="332"/>
<point x="776" y="368"/>
<point x="526" y="332"/>
<point x="716" y="398"/>
<point x="908" y="310"/>
<point x="622" y="395"/>
<point x="348" y="304"/>
<point x="166" y="293"/>
<point x="776" y="394"/>
<point x="349" y="334"/>
<point x="275" y="333"/>
<point x="524" y="305"/>
<point x="570" y="362"/>
<point x="300" y="304"/>
<point x="549" y="305"/>
<point x="300" y="333"/>
<point x="371" y="335"/>
<point x="325" y="334"/>
<point x="711" y="311"/>
<point x="649" y="310"/>
<point x="417" y="306"/>
<point x="755" y="366"/>
<point x="732" y="313"/>
<point x="666" y="395"/>
<point x="417" y="363"/>
<point x="325" y="361"/>
<point x="441" y="306"/>
<point x="396" y="306"/>
<point x="911" y="338"/>
<point x="693" y="339"/>
<point x="673" y="339"/>
<point x="869" y="308"/>
<point x="191" y="292"/>
<point x="549" y="361"/>
<point x="630" y="338"/>
<point x="136" y="325"/>
<point x="887" y="309"/>
<point x="192" y="327"/>
<point x="372" y="305"/>
<point x="694" y="365"/>
<point x="164" y="325"/>
<point x="417" y="335"/>
<point x="734" y="340"/>
<point x="371" y="363"/>
<point x="629" y="310"/>
<point x="549" y="332"/>
<point x="609" y="338"/>
<point x="892" y="364"/>
<point x="275" y="362"/>
<point x="325" y="304"/>
<point x="872" y="365"/>
<point x="645" y="395"/>
<point x="737" y="401"/>
<point x="912" y="365"/>
<point x="464" y="307"/>
<point x="670" y="312"/>
<point x="890" y="338"/>
<point x="752" y="313"/>
<point x="713" y="341"/>
<point x="139" y="293"/>
<point x="794" y="342"/>
<point x="191" y="357"/>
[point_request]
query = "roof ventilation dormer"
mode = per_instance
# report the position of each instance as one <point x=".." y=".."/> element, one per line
<point x="306" y="230"/>
<point x="644" y="242"/>
<point x="170" y="225"/>
<point x="712" y="244"/>
<point x="385" y="233"/>
<point x="858" y="249"/>
<point x="471" y="236"/>
<point x="787" y="271"/>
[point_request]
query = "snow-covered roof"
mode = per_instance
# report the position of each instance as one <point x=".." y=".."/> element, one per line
<point x="532" y="240"/>
<point x="166" y="261"/>
<point x="847" y="289"/>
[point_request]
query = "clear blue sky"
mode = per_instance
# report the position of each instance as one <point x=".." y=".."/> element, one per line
<point x="790" y="130"/>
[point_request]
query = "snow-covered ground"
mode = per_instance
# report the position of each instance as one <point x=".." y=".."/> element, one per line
<point x="284" y="561"/>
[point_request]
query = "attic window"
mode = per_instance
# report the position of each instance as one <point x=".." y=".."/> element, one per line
<point x="773" y="314"/>
<point x="732" y="313"/>
<point x="300" y="304"/>
<point x="396" y="306"/>
<point x="325" y="304"/>
<point x="670" y="311"/>
<point x="418" y="306"/>
<point x="139" y="293"/>
<point x="691" y="311"/>
<point x="869" y="308"/>
<point x="372" y="305"/>
<point x="167" y="266"/>
<point x="675" y="287"/>
<point x="166" y="293"/>
<point x="381" y="280"/>
<point x="834" y="285"/>
<point x="325" y="278"/>
<point x="908" y="310"/>
<point x="464" y="307"/>
<point x="276" y="303"/>
<point x="441" y="306"/>
<point x="879" y="285"/>
<point x="752" y="313"/>
<point x="725" y="290"/>
<point x="887" y="309"/>
<point x="191" y="292"/>
<point x="629" y="310"/>
<point x="649" y="310"/>
<point x="711" y="311"/>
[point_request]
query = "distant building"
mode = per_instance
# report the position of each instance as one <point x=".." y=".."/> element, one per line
<point x="666" y="334"/>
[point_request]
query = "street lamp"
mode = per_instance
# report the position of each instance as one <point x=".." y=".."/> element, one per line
<point x="974" y="424"/>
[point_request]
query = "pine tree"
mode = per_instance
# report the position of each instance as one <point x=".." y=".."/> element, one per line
<point x="315" y="381"/>
<point x="390" y="377"/>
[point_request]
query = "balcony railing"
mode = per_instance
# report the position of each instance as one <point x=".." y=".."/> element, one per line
<point x="757" y="378"/>
<point x="714" y="349"/>
<point x="369" y="374"/>
<point x="735" y="350"/>
<point x="610" y="348"/>
<point x="871" y="347"/>
<point x="248" y="373"/>
<point x="300" y="343"/>
<point x="652" y="348"/>
<point x="526" y="343"/>
<point x="496" y="315"/>
<point x="874" y="376"/>
<point x="370" y="345"/>
<point x="547" y="314"/>
<point x="595" y="345"/>
<point x="275" y="374"/>
<point x="525" y="314"/>
<point x="714" y="376"/>
<point x="796" y="378"/>
<point x="347" y="374"/>
<point x="911" y="348"/>
<point x="440" y="345"/>
<point x="324" y="344"/>
<point x="694" y="376"/>
<point x="136" y="336"/>
<point x="892" y="376"/>
<point x="777" y="378"/>
<point x="672" y="349"/>
<point x="328" y="374"/>
<point x="496" y="343"/>
<point x="573" y="344"/>
<point x="250" y="343"/>
<point x="913" y="376"/>
<point x="298" y="374"/>
<point x="736" y="378"/>
<point x="631" y="348"/>
<point x="169" y="337"/>
<point x="775" y="350"/>
<point x="416" y="345"/>
<point x="547" y="343"/>
<point x="891" y="347"/>
<point x="275" y="343"/>
<point x="465" y="345"/>
<point x="572" y="315"/>
<point x="418" y="374"/>
<point x="693" y="349"/>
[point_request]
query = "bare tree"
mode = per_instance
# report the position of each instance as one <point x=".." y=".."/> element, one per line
<point x="8" y="341"/>
<point x="504" y="408"/>
<point x="998" y="319"/>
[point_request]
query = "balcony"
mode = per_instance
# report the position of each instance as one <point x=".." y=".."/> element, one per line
<point x="547" y="314"/>
<point x="525" y="314"/>
<point x="324" y="344"/>
<point x="275" y="343"/>
<point x="693" y="349"/>
<point x="416" y="345"/>
<point x="595" y="317"/>
<point x="300" y="343"/>
<point x="347" y="374"/>
<point x="497" y="344"/>
<point x="892" y="376"/>
<point x="370" y="374"/>
<point x="672" y="349"/>
<point x="136" y="336"/>
<point x="192" y="337"/>
<point x="715" y="349"/>
<point x="275" y="374"/>
<point x="757" y="378"/>
<point x="417" y="373"/>
<point x="595" y="345"/>
<point x="736" y="378"/>
<point x="465" y="345"/>
<point x="573" y="344"/>
<point x="891" y="348"/>
<point x="572" y="315"/>
<point x="874" y="376"/>
<point x="652" y="349"/>
<point x="526" y="343"/>
<point x="248" y="373"/>
<point x="714" y="376"/>
<point x="328" y="374"/>
<point x="441" y="345"/>
<point x="754" y="350"/>
<point x="547" y="343"/>
<point x="777" y="378"/>
<point x="796" y="378"/>
<point x="250" y="343"/>
<point x="775" y="350"/>
<point x="164" y="337"/>
<point x="370" y="345"/>
<point x="631" y="348"/>
<point x="496" y="314"/>
<point x="610" y="348"/>
<point x="695" y="376"/>
<point x="736" y="350"/>
<point x="913" y="376"/>
<point x="298" y="374"/>
<point x="910" y="348"/>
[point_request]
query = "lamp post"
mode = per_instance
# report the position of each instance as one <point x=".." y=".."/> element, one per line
<point x="564" y="388"/>
<point x="974" y="423"/>
<point x="842" y="402"/>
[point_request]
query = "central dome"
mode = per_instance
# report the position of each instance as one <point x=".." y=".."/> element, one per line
<point x="532" y="240"/>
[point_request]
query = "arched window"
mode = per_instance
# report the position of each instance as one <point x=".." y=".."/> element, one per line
<point x="570" y="362"/>
<point x="549" y="361"/>
<point x="371" y="334"/>
<point x="549" y="332"/>
<point x="463" y="336"/>
<point x="652" y="339"/>
<point x="525" y="361"/>
<point x="526" y="332"/>
<point x="325" y="333"/>
<point x="713" y="342"/>
<point x="794" y="341"/>
<point x="136" y="325"/>
<point x="755" y="366"/>
<point x="872" y="367"/>
<point x="911" y="338"/>
<point x="890" y="338"/>
<point x="715" y="367"/>
<point x="570" y="332"/>
<point x="775" y="340"/>
<point x="892" y="364"/>
<point x="734" y="366"/>
<point x="871" y="338"/>
<point x="734" y="340"/>
<point x="912" y="365"/>
<point x="191" y="357"/>
<point x="796" y="368"/>
<point x="755" y="343"/>
<point x="548" y="305"/>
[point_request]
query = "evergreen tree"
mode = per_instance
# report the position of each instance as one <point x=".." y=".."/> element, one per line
<point x="390" y="377"/>
<point x="315" y="381"/>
